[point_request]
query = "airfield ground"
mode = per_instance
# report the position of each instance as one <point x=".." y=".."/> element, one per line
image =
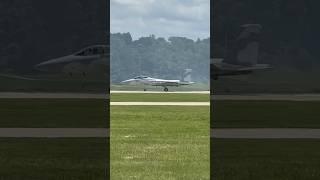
<point x="266" y="114"/>
<point x="160" y="97"/>
<point x="53" y="113"/>
<point x="53" y="159"/>
<point x="265" y="159"/>
<point x="245" y="114"/>
<point x="52" y="84"/>
<point x="155" y="142"/>
<point x="73" y="113"/>
<point x="159" y="142"/>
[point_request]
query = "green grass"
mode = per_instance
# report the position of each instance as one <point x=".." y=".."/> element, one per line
<point x="265" y="159"/>
<point x="136" y="97"/>
<point x="159" y="143"/>
<point x="53" y="159"/>
<point x="53" y="113"/>
<point x="266" y="114"/>
<point x="52" y="84"/>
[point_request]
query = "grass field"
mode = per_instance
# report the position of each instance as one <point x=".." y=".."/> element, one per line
<point x="147" y="142"/>
<point x="53" y="159"/>
<point x="265" y="159"/>
<point x="266" y="114"/>
<point x="119" y="97"/>
<point x="52" y="84"/>
<point x="66" y="113"/>
<point x="159" y="143"/>
<point x="69" y="113"/>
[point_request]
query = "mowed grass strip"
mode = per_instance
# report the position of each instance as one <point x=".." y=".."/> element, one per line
<point x="265" y="114"/>
<point x="53" y="113"/>
<point x="53" y="159"/>
<point x="161" y="97"/>
<point x="52" y="84"/>
<point x="159" y="143"/>
<point x="265" y="159"/>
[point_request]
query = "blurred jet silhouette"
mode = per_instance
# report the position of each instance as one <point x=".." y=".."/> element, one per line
<point x="82" y="62"/>
<point x="243" y="55"/>
<point x="186" y="80"/>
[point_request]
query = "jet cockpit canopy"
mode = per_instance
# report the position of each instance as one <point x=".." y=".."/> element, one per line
<point x="93" y="50"/>
<point x="141" y="77"/>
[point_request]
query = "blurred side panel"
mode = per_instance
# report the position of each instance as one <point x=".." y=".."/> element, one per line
<point x="265" y="91"/>
<point x="54" y="89"/>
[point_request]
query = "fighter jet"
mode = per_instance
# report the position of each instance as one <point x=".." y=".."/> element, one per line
<point x="82" y="62"/>
<point x="145" y="80"/>
<point x="92" y="59"/>
<point x="243" y="55"/>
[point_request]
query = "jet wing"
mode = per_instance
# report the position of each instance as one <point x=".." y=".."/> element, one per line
<point x="97" y="54"/>
<point x="10" y="76"/>
<point x="227" y="67"/>
<point x="67" y="60"/>
<point x="256" y="67"/>
<point x="216" y="60"/>
<point x="165" y="83"/>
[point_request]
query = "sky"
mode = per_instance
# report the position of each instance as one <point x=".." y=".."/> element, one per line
<point x="163" y="18"/>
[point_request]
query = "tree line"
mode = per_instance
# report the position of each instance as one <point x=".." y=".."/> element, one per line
<point x="158" y="57"/>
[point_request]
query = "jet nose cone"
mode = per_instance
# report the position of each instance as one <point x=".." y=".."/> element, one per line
<point x="125" y="81"/>
<point x="38" y="66"/>
<point x="53" y="63"/>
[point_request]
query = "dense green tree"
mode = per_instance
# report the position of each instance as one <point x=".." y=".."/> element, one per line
<point x="158" y="57"/>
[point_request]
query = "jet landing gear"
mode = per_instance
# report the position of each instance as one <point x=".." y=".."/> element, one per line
<point x="166" y="89"/>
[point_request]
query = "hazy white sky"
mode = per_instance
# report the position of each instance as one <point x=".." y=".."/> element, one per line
<point x="163" y="18"/>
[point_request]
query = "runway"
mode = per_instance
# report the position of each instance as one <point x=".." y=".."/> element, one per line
<point x="160" y="103"/>
<point x="265" y="133"/>
<point x="234" y="133"/>
<point x="54" y="132"/>
<point x="67" y="95"/>
<point x="40" y="95"/>
<point x="70" y="95"/>
<point x="269" y="97"/>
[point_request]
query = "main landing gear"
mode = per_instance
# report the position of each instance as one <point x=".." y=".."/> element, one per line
<point x="166" y="89"/>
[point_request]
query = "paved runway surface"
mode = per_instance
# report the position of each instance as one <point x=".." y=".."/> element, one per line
<point x="251" y="133"/>
<point x="274" y="97"/>
<point x="266" y="133"/>
<point x="42" y="95"/>
<point x="285" y="97"/>
<point x="30" y="95"/>
<point x="53" y="132"/>
<point x="160" y="103"/>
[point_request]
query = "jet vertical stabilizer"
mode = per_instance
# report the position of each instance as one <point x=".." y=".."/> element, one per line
<point x="186" y="76"/>
<point x="245" y="48"/>
<point x="242" y="56"/>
